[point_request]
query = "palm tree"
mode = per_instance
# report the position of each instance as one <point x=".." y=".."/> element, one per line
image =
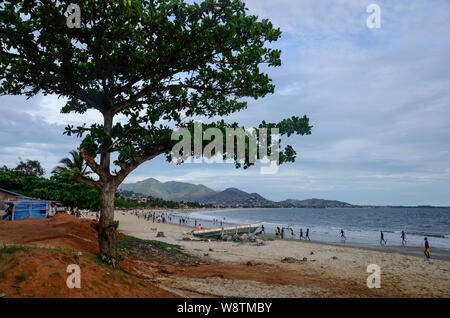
<point x="76" y="164"/>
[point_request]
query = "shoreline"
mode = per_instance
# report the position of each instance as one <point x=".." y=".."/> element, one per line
<point x="402" y="274"/>
<point x="417" y="251"/>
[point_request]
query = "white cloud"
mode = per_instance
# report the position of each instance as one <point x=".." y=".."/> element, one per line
<point x="378" y="100"/>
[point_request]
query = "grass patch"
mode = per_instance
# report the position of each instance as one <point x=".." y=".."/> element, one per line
<point x="125" y="242"/>
<point x="61" y="250"/>
<point x="142" y="284"/>
<point x="21" y="277"/>
<point x="125" y="239"/>
<point x="11" y="249"/>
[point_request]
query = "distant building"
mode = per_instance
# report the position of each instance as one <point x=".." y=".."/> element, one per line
<point x="142" y="199"/>
<point x="6" y="195"/>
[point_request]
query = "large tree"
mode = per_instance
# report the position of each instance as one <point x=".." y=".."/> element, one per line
<point x="158" y="64"/>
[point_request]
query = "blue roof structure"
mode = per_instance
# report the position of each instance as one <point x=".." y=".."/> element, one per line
<point x="14" y="193"/>
<point x="29" y="209"/>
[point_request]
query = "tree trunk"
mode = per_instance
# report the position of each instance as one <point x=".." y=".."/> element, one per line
<point x="106" y="228"/>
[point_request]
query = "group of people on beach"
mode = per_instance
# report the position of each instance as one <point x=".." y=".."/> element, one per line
<point x="217" y="222"/>
<point x="279" y="233"/>
<point x="153" y="216"/>
<point x="383" y="241"/>
<point x="167" y="217"/>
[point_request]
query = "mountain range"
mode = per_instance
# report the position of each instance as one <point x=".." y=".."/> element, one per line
<point x="188" y="192"/>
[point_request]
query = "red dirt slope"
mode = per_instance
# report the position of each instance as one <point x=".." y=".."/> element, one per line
<point x="40" y="270"/>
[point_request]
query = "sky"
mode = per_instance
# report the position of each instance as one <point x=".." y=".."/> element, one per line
<point x="379" y="101"/>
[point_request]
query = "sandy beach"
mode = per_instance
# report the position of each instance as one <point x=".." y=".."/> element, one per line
<point x="324" y="270"/>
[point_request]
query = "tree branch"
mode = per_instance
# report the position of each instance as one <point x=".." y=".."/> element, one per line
<point x="126" y="169"/>
<point x="93" y="165"/>
<point x="89" y="182"/>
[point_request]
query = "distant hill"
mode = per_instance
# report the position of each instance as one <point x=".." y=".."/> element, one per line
<point x="233" y="196"/>
<point x="314" y="203"/>
<point x="172" y="190"/>
<point x="188" y="192"/>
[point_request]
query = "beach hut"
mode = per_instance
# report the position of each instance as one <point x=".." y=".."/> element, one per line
<point x="6" y="195"/>
<point x="29" y="209"/>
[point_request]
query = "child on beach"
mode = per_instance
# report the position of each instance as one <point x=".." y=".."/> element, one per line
<point x="427" y="248"/>
<point x="301" y="234"/>
<point x="382" y="240"/>
<point x="403" y="238"/>
<point x="307" y="235"/>
<point x="343" y="238"/>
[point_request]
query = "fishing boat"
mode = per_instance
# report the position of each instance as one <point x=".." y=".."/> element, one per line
<point x="216" y="233"/>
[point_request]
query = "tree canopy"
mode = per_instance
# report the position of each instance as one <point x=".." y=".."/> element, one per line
<point x="156" y="64"/>
<point x="29" y="168"/>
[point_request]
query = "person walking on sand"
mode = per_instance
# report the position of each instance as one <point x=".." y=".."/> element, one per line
<point x="307" y="235"/>
<point x="343" y="238"/>
<point x="301" y="234"/>
<point x="382" y="240"/>
<point x="403" y="238"/>
<point x="427" y="248"/>
<point x="277" y="231"/>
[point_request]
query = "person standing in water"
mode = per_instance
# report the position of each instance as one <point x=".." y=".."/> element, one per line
<point x="403" y="238"/>
<point x="427" y="248"/>
<point x="343" y="238"/>
<point x="301" y="234"/>
<point x="382" y="240"/>
<point x="282" y="232"/>
<point x="307" y="235"/>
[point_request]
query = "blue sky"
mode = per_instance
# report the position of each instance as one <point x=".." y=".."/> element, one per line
<point x="379" y="100"/>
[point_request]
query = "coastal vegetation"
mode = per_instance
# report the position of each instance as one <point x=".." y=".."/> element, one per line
<point x="75" y="164"/>
<point x="59" y="187"/>
<point x="62" y="187"/>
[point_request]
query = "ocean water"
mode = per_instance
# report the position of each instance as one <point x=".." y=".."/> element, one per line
<point x="361" y="225"/>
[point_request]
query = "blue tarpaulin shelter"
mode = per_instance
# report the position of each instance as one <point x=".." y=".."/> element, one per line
<point x="29" y="209"/>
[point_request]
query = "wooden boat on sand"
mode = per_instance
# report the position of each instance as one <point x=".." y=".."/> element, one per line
<point x="216" y="233"/>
